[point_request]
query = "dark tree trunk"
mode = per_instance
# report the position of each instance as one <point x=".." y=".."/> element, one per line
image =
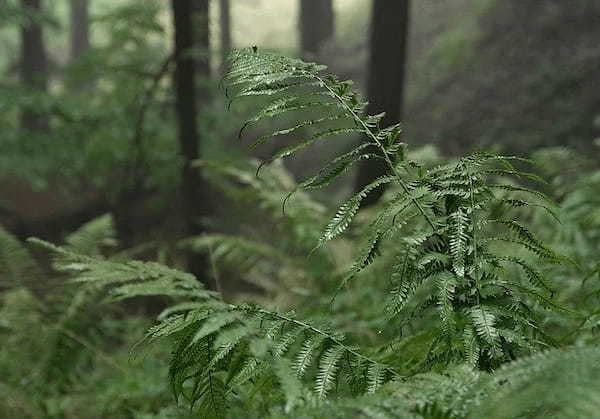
<point x="80" y="39"/>
<point x="225" y="26"/>
<point x="193" y="195"/>
<point x="34" y="65"/>
<point x="316" y="23"/>
<point x="201" y="35"/>
<point x="385" y="88"/>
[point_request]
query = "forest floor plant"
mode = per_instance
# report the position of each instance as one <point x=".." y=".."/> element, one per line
<point x="464" y="286"/>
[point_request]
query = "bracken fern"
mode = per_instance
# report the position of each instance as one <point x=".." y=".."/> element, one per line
<point x="451" y="226"/>
<point x="217" y="346"/>
<point x="463" y="256"/>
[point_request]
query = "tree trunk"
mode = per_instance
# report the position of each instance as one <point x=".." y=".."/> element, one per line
<point x="385" y="88"/>
<point x="80" y="39"/>
<point x="316" y="23"/>
<point x="34" y="65"/>
<point x="193" y="196"/>
<point x="225" y="26"/>
<point x="201" y="36"/>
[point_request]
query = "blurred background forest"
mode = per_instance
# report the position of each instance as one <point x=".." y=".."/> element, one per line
<point x="113" y="118"/>
<point x="88" y="99"/>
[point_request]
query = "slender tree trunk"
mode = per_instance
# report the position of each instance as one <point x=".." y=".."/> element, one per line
<point x="193" y="195"/>
<point x="385" y="89"/>
<point x="34" y="65"/>
<point x="185" y="95"/>
<point x="316" y="22"/>
<point x="201" y="36"/>
<point x="225" y="25"/>
<point x="80" y="39"/>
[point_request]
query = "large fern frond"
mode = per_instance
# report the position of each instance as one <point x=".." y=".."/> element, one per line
<point x="562" y="383"/>
<point x="215" y="343"/>
<point x="459" y="211"/>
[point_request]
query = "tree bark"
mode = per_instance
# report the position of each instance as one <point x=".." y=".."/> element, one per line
<point x="80" y="39"/>
<point x="316" y="22"/>
<point x="34" y="65"/>
<point x="201" y="36"/>
<point x="193" y="196"/>
<point x="225" y="26"/>
<point x="385" y="85"/>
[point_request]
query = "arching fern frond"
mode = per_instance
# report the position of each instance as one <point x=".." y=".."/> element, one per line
<point x="458" y="212"/>
<point x="90" y="238"/>
<point x="270" y="74"/>
<point x="217" y="346"/>
<point x="561" y="383"/>
<point x="125" y="279"/>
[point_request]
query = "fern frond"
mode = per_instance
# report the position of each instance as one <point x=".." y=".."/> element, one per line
<point x="286" y="341"/>
<point x="526" y="236"/>
<point x="234" y="251"/>
<point x="307" y="353"/>
<point x="535" y="277"/>
<point x="17" y="266"/>
<point x="269" y="78"/>
<point x="458" y="241"/>
<point x="292" y="387"/>
<point x="460" y="304"/>
<point x="305" y="142"/>
<point x="90" y="238"/>
<point x="472" y="349"/>
<point x="211" y="337"/>
<point x="560" y="382"/>
<point x="337" y="167"/>
<point x="126" y="279"/>
<point x="328" y="370"/>
<point x="376" y="377"/>
<point x="348" y="210"/>
<point x="517" y="188"/>
<point x="484" y="324"/>
<point x="446" y="285"/>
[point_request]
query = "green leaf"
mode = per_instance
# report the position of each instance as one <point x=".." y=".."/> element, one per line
<point x="348" y="210"/>
<point x="328" y="369"/>
<point x="484" y="324"/>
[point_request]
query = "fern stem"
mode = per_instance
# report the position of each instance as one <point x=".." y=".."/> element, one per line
<point x="312" y="328"/>
<point x="370" y="134"/>
<point x="474" y="223"/>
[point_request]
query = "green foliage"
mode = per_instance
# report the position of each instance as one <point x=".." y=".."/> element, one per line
<point x="58" y="341"/>
<point x="217" y="346"/>
<point x="552" y="384"/>
<point x="110" y="109"/>
<point x="271" y="253"/>
<point x="452" y="308"/>
<point x="16" y="264"/>
<point x="461" y="211"/>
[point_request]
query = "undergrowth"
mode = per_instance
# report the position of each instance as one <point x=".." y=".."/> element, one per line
<point x="453" y="307"/>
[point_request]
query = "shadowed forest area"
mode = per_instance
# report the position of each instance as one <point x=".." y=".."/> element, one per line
<point x="299" y="208"/>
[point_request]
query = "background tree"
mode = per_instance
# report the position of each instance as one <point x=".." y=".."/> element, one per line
<point x="80" y="39"/>
<point x="316" y="21"/>
<point x="385" y="85"/>
<point x="187" y="36"/>
<point x="201" y="37"/>
<point x="544" y="66"/>
<point x="225" y="27"/>
<point x="34" y="64"/>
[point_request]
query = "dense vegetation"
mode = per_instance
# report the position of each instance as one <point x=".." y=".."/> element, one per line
<point x="188" y="230"/>
<point x="470" y="294"/>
